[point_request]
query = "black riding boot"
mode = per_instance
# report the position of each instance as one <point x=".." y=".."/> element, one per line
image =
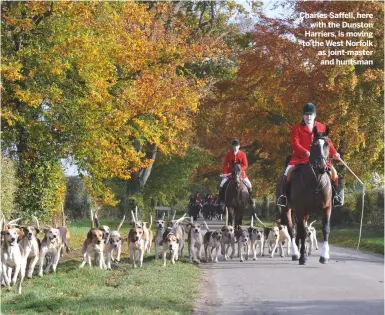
<point x="251" y="201"/>
<point x="221" y="197"/>
<point x="282" y="200"/>
<point x="337" y="201"/>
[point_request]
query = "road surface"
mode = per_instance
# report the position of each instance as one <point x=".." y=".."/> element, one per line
<point x="351" y="284"/>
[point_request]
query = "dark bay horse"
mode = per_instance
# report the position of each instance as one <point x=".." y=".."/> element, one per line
<point x="236" y="196"/>
<point x="310" y="194"/>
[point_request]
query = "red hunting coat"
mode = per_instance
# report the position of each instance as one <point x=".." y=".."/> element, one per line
<point x="231" y="158"/>
<point x="301" y="139"/>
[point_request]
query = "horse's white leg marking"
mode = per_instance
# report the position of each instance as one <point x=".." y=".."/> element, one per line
<point x="325" y="250"/>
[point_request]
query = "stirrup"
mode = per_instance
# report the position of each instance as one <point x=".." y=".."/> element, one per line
<point x="282" y="201"/>
<point x="337" y="202"/>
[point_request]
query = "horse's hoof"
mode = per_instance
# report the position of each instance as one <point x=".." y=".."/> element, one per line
<point x="323" y="260"/>
<point x="303" y="261"/>
<point x="241" y="260"/>
<point x="294" y="257"/>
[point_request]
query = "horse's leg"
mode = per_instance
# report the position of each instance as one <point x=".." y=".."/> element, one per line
<point x="231" y="217"/>
<point x="239" y="216"/>
<point x="294" y="248"/>
<point x="324" y="259"/>
<point x="302" y="235"/>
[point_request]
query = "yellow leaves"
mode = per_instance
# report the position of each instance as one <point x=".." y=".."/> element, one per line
<point x="10" y="70"/>
<point x="31" y="98"/>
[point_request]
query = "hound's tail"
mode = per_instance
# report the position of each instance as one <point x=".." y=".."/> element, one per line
<point x="133" y="217"/>
<point x="205" y="225"/>
<point x="121" y="223"/>
<point x="259" y="220"/>
<point x="150" y="222"/>
<point x="36" y="221"/>
<point x="312" y="223"/>
<point x="92" y="218"/>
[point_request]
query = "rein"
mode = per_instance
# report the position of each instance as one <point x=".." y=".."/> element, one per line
<point x="318" y="189"/>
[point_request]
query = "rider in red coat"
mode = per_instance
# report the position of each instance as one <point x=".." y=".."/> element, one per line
<point x="301" y="138"/>
<point x="239" y="157"/>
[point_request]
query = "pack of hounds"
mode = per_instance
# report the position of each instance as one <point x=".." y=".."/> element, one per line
<point x="21" y="249"/>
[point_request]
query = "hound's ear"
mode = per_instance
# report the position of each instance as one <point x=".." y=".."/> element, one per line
<point x="121" y="239"/>
<point x="327" y="131"/>
<point x="177" y="240"/>
<point x="189" y="224"/>
<point x="89" y="234"/>
<point x="45" y="231"/>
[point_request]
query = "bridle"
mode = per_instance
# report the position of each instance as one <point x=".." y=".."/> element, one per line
<point x="315" y="166"/>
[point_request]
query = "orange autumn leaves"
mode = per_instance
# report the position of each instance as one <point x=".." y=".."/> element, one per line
<point x="110" y="73"/>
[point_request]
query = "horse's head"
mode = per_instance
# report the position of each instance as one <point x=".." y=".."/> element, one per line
<point x="236" y="172"/>
<point x="319" y="151"/>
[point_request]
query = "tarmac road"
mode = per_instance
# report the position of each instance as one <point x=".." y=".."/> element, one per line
<point x="352" y="283"/>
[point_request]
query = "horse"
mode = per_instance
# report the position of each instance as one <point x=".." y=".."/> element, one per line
<point x="194" y="210"/>
<point x="208" y="211"/>
<point x="235" y="196"/>
<point x="311" y="193"/>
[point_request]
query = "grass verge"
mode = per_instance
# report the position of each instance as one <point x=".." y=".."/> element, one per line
<point x="153" y="289"/>
<point x="372" y="239"/>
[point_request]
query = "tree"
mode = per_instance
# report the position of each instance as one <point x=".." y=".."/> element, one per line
<point x="277" y="76"/>
<point x="115" y="96"/>
<point x="8" y="186"/>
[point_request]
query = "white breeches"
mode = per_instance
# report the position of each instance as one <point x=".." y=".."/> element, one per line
<point x="287" y="169"/>
<point x="245" y="180"/>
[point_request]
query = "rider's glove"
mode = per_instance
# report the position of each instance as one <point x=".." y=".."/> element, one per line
<point x="336" y="156"/>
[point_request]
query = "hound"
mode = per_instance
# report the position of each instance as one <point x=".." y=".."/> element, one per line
<point x="311" y="237"/>
<point x="106" y="235"/>
<point x="195" y="241"/>
<point x="177" y="228"/>
<point x="51" y="245"/>
<point x="284" y="237"/>
<point x="93" y="244"/>
<point x="158" y="240"/>
<point x="212" y="240"/>
<point x="147" y="231"/>
<point x="11" y="255"/>
<point x="228" y="239"/>
<point x="272" y="241"/>
<point x="65" y="235"/>
<point x="243" y="241"/>
<point x="104" y="228"/>
<point x="30" y="246"/>
<point x="136" y="245"/>
<point x="170" y="242"/>
<point x="257" y="239"/>
<point x="114" y="245"/>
